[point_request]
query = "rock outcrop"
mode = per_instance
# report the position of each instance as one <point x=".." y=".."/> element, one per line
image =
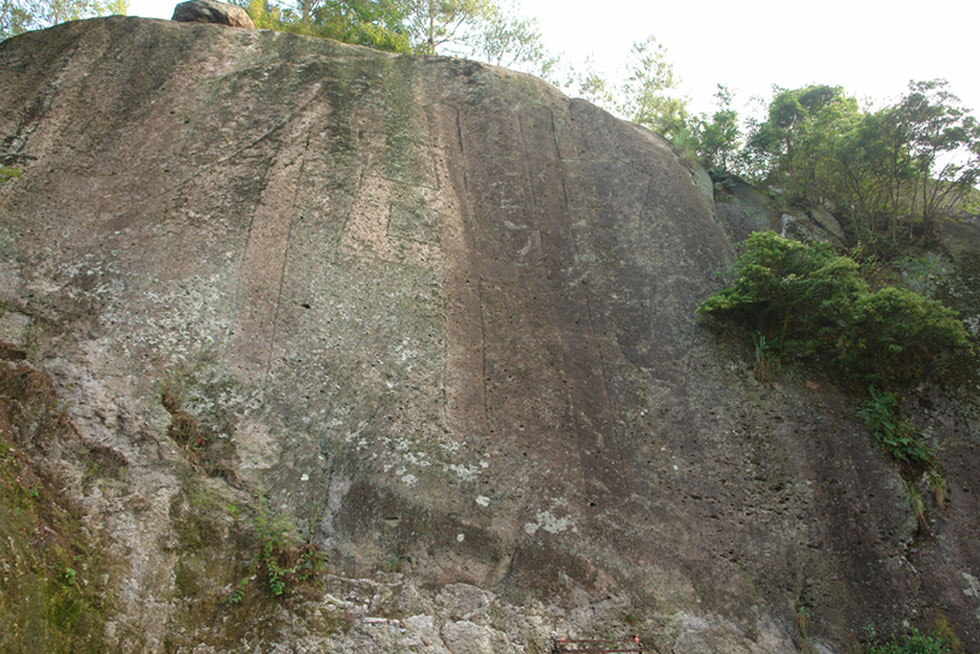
<point x="442" y="318"/>
<point x="212" y="11"/>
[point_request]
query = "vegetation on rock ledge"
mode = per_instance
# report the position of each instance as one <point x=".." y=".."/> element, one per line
<point x="813" y="303"/>
<point x="282" y="559"/>
<point x="913" y="643"/>
<point x="804" y="301"/>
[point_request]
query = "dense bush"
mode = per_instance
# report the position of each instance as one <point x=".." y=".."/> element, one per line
<point x="789" y="291"/>
<point x="802" y="300"/>
<point x="814" y="303"/>
<point x="895" y="333"/>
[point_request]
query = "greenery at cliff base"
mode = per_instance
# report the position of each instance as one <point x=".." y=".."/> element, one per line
<point x="51" y="567"/>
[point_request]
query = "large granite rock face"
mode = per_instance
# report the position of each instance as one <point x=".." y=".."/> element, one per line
<point x="443" y="318"/>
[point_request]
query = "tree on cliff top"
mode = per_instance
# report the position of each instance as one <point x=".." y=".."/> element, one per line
<point x="888" y="174"/>
<point x="649" y="94"/>
<point x="794" y="149"/>
<point x="480" y="29"/>
<point x="373" y="23"/>
<point x="437" y="24"/>
<point x="17" y="16"/>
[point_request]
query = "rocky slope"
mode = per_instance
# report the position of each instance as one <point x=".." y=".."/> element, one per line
<point x="437" y="320"/>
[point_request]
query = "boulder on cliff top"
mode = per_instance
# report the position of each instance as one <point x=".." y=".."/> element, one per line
<point x="211" y="11"/>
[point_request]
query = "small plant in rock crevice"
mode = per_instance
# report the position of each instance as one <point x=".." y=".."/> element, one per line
<point x="894" y="434"/>
<point x="282" y="558"/>
<point x="396" y="562"/>
<point x="804" y="618"/>
<point x="767" y="358"/>
<point x="916" y="506"/>
<point x="937" y="484"/>
<point x="912" y="643"/>
<point x="8" y="172"/>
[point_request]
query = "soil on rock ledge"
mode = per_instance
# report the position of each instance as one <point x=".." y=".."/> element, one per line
<point x="443" y="317"/>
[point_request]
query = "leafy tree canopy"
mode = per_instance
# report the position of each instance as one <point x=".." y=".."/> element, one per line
<point x="17" y="16"/>
<point x="373" y="23"/>
<point x="482" y="29"/>
<point x="887" y="173"/>
<point x="649" y="97"/>
<point x="718" y="135"/>
<point x="790" y="149"/>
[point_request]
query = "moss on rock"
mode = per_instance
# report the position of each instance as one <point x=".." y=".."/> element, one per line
<point x="51" y="590"/>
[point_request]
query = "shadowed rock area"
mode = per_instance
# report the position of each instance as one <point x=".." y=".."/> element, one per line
<point x="442" y="318"/>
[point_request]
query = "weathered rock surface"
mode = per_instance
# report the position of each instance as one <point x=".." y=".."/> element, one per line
<point x="443" y="317"/>
<point x="212" y="11"/>
<point x="743" y="209"/>
<point x="811" y="225"/>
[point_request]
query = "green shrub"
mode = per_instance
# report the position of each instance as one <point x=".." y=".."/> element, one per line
<point x="893" y="334"/>
<point x="789" y="291"/>
<point x="802" y="300"/>
<point x="814" y="302"/>
<point x="914" y="643"/>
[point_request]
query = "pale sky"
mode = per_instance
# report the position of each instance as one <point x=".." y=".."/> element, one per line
<point x="871" y="48"/>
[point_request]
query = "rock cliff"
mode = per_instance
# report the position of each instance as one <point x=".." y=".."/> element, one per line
<point x="437" y="320"/>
